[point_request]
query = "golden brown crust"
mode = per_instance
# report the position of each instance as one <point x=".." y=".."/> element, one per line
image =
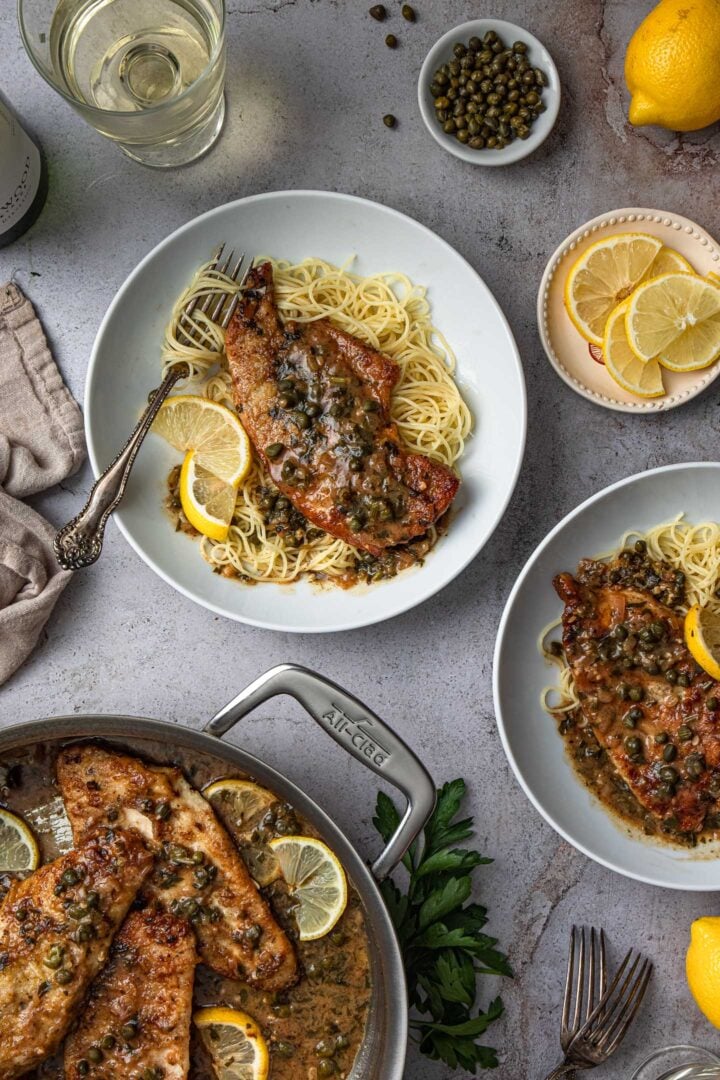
<point x="145" y="992"/>
<point x="237" y="933"/>
<point x="346" y="471"/>
<point x="56" y="928"/>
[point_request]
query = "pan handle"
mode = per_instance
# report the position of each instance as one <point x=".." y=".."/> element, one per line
<point x="357" y="730"/>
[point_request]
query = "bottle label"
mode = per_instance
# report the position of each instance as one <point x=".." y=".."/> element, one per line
<point x="20" y="171"/>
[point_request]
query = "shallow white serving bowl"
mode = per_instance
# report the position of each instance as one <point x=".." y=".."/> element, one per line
<point x="530" y="738"/>
<point x="125" y="365"/>
<point x="442" y="52"/>
<point x="579" y="364"/>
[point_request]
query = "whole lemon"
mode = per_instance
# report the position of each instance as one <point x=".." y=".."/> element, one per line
<point x="703" y="966"/>
<point x="672" y="66"/>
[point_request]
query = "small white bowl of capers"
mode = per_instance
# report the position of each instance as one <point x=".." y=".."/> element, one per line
<point x="489" y="92"/>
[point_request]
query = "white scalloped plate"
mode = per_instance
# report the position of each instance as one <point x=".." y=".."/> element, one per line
<point x="570" y="354"/>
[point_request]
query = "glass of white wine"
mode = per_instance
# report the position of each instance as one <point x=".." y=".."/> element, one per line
<point x="148" y="74"/>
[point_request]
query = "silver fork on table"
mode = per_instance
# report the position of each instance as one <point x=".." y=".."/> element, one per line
<point x="596" y="1017"/>
<point x="79" y="543"/>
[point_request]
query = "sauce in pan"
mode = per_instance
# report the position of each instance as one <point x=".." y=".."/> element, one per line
<point x="313" y="1030"/>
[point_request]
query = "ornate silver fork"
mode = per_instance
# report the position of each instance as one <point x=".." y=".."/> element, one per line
<point x="79" y="543"/>
<point x="608" y="1013"/>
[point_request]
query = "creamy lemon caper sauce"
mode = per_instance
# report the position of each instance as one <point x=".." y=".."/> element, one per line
<point x="313" y="1030"/>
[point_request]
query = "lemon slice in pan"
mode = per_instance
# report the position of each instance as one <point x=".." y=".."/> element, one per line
<point x="18" y="848"/>
<point x="234" y="1042"/>
<point x="316" y="881"/>
<point x="240" y="803"/>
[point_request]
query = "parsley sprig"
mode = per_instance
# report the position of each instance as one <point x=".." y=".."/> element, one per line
<point x="440" y="933"/>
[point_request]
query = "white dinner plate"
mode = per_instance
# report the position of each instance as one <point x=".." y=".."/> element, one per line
<point x="535" y="749"/>
<point x="125" y="365"/>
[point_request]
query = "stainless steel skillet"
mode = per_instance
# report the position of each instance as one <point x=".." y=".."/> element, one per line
<point x="362" y="734"/>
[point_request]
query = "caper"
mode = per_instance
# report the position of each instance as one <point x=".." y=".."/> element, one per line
<point x="63" y="977"/>
<point x="378" y="12"/>
<point x="83" y="1067"/>
<point x="302" y="420"/>
<point x="668" y="774"/>
<point x="108" y="1042"/>
<point x="683" y="680"/>
<point x="325" y="1049"/>
<point x="685" y="733"/>
<point x="635" y="713"/>
<point x="459" y="49"/>
<point x="283" y="1049"/>
<point x="326" y="1067"/>
<point x="713" y="704"/>
<point x="274" y="450"/>
<point x="640" y="547"/>
<point x="391" y="41"/>
<point x="669" y="753"/>
<point x="661" y="738"/>
<point x="355" y="523"/>
<point x="54" y="958"/>
<point x="519" y="47"/>
<point x="671" y="675"/>
<point x="70" y="878"/>
<point x="633" y="745"/>
<point x="408" y="13"/>
<point x="540" y="77"/>
<point x="163" y="810"/>
<point x="695" y="765"/>
<point x="129" y="1030"/>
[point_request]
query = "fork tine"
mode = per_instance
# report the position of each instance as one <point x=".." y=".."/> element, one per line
<point x="568" y="984"/>
<point x="579" y="990"/>
<point x="221" y="270"/>
<point x="590" y="1004"/>
<point x="603" y="965"/>
<point x="625" y="1007"/>
<point x="631" y="1009"/>
<point x="235" y="300"/>
<point x="602" y="1006"/>
<point x="224" y="296"/>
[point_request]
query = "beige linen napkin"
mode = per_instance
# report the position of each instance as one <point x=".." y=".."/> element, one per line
<point x="41" y="442"/>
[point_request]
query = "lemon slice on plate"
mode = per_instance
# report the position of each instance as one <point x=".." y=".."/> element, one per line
<point x="207" y="501"/>
<point x="668" y="260"/>
<point x="241" y="803"/>
<point x="18" y="847"/>
<point x="712" y="276"/>
<point x="676" y="319"/>
<point x="234" y="1042"/>
<point x="702" y="637"/>
<point x="603" y="276"/>
<point x="635" y="376"/>
<point x="316" y="881"/>
<point x="221" y="445"/>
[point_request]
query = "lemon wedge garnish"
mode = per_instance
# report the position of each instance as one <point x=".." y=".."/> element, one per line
<point x="213" y="432"/>
<point x="316" y="881"/>
<point x="635" y="376"/>
<point x="208" y="502"/>
<point x="603" y="276"/>
<point x="18" y="848"/>
<point x="676" y="319"/>
<point x="702" y="637"/>
<point x="234" y="1042"/>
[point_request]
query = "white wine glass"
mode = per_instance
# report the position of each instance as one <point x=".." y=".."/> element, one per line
<point x="679" y="1062"/>
<point x="148" y="74"/>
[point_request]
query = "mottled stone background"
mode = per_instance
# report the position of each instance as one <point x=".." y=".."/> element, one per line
<point x="309" y="82"/>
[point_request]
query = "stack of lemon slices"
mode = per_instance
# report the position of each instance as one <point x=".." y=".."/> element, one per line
<point x="217" y="459"/>
<point x="645" y="306"/>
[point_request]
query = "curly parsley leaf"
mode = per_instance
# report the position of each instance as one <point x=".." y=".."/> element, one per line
<point x="441" y="934"/>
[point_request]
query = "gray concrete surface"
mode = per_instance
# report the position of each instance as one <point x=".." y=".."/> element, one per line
<point x="309" y="82"/>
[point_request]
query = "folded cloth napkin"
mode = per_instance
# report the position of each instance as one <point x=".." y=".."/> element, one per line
<point x="41" y="442"/>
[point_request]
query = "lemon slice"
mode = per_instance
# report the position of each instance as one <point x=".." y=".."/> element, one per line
<point x="18" y="847"/>
<point x="702" y="637"/>
<point x="234" y="1042"/>
<point x="603" y="276"/>
<point x="208" y="502"/>
<point x="241" y="803"/>
<point x="676" y="318"/>
<point x="316" y="880"/>
<point x="635" y="376"/>
<point x="221" y="445"/>
<point x="668" y="260"/>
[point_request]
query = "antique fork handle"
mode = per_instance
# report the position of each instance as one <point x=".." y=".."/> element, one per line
<point x="566" y="1069"/>
<point x="79" y="543"/>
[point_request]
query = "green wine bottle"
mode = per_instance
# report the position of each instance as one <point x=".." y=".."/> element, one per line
<point x="23" y="177"/>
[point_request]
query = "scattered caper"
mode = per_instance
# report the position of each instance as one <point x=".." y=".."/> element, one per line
<point x="378" y="12"/>
<point x="391" y="41"/>
<point x="390" y="122"/>
<point x="408" y="13"/>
